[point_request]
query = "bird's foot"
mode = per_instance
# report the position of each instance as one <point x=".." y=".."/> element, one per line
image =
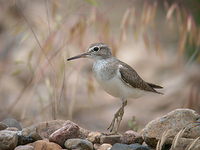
<point x="117" y="117"/>
<point x="112" y="124"/>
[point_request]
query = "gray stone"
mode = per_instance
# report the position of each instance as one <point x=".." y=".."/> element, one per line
<point x="119" y="146"/>
<point x="22" y="140"/>
<point x="78" y="144"/>
<point x="135" y="146"/>
<point x="28" y="135"/>
<point x="8" y="140"/>
<point x="12" y="123"/>
<point x="173" y="122"/>
<point x="24" y="147"/>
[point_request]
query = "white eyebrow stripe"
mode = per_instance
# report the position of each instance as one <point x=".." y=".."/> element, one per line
<point x="94" y="47"/>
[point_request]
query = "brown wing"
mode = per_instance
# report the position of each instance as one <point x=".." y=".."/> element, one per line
<point x="130" y="77"/>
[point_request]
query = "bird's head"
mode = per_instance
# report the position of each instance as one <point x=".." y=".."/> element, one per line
<point x="95" y="51"/>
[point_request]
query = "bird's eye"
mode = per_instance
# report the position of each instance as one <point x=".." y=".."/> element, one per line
<point x="96" y="49"/>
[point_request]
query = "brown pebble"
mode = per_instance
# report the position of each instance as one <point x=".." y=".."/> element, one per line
<point x="110" y="139"/>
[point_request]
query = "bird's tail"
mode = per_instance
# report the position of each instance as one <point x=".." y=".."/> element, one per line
<point x="156" y="87"/>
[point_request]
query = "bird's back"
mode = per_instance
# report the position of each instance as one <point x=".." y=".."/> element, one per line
<point x="131" y="77"/>
<point x="119" y="79"/>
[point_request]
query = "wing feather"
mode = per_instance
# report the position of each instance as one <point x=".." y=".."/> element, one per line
<point x="130" y="77"/>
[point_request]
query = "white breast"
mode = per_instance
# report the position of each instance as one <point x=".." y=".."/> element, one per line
<point x="114" y="85"/>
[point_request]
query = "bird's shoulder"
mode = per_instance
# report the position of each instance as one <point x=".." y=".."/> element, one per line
<point x="131" y="77"/>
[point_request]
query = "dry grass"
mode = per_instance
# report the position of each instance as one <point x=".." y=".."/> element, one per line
<point x="59" y="30"/>
<point x="192" y="101"/>
<point x="176" y="141"/>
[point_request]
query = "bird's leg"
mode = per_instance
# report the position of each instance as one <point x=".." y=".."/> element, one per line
<point x="118" y="116"/>
<point x="124" y="103"/>
<point x="113" y="121"/>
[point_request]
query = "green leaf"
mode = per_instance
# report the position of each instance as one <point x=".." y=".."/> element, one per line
<point x="130" y="124"/>
<point x="133" y="118"/>
<point x="19" y="62"/>
<point x="16" y="72"/>
<point x="30" y="67"/>
<point x="93" y="2"/>
<point x="137" y="128"/>
<point x="30" y="56"/>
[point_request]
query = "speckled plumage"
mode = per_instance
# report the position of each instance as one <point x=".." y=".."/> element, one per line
<point x="116" y="77"/>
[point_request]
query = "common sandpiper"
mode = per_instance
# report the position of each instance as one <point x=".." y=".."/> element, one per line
<point x="116" y="78"/>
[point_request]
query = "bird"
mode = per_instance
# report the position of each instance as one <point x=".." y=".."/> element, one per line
<point x="117" y="78"/>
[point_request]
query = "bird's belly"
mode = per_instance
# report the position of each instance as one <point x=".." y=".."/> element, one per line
<point x="117" y="88"/>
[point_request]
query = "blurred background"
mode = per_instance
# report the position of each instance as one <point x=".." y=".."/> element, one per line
<point x="159" y="39"/>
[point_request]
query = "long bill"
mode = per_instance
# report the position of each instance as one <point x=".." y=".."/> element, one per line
<point x="78" y="56"/>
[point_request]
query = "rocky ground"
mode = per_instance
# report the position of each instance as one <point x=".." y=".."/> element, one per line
<point x="73" y="87"/>
<point x="179" y="129"/>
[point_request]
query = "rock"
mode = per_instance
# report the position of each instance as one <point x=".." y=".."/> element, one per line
<point x="130" y="137"/>
<point x="69" y="131"/>
<point x="78" y="144"/>
<point x="22" y="140"/>
<point x="28" y="130"/>
<point x="83" y="133"/>
<point x="35" y="136"/>
<point x="8" y="140"/>
<point x="94" y="137"/>
<point x="45" y="145"/>
<point x="27" y="138"/>
<point x="197" y="147"/>
<point x="12" y="123"/>
<point x="119" y="146"/>
<point x="105" y="146"/>
<point x="45" y="129"/>
<point x="28" y="135"/>
<point x="12" y="129"/>
<point x="184" y="142"/>
<point x="3" y="126"/>
<point x="110" y="139"/>
<point x="24" y="147"/>
<point x="173" y="122"/>
<point x="96" y="146"/>
<point x="135" y="146"/>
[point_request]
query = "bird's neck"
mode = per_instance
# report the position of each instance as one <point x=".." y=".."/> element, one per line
<point x="105" y="68"/>
<point x="104" y="62"/>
